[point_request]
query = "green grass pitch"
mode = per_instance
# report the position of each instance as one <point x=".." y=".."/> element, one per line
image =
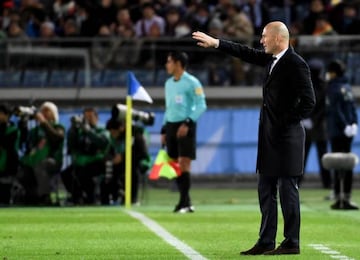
<point x="226" y="222"/>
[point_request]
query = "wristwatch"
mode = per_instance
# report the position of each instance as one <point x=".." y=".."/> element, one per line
<point x="188" y="122"/>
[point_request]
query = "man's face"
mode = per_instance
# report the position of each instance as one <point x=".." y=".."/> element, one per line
<point x="170" y="65"/>
<point x="3" y="118"/>
<point x="47" y="114"/>
<point x="115" y="133"/>
<point x="91" y="117"/>
<point x="269" y="40"/>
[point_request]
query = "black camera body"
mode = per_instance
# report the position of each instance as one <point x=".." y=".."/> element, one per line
<point x="25" y="112"/>
<point x="77" y="120"/>
<point x="119" y="112"/>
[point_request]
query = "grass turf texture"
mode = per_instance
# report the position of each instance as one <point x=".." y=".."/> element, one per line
<point x="225" y="223"/>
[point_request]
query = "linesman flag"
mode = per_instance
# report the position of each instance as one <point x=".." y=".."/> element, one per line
<point x="164" y="166"/>
<point x="136" y="90"/>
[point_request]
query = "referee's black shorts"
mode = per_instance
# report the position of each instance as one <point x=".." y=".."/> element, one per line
<point x="180" y="147"/>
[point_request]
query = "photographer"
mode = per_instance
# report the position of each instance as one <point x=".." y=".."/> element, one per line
<point x="88" y="144"/>
<point x="9" y="137"/>
<point x="114" y="184"/>
<point x="43" y="155"/>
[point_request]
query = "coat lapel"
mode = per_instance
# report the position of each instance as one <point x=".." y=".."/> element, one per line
<point x="277" y="67"/>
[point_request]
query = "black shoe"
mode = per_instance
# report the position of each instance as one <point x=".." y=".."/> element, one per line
<point x="256" y="250"/>
<point x="284" y="251"/>
<point x="350" y="206"/>
<point x="344" y="205"/>
<point x="336" y="205"/>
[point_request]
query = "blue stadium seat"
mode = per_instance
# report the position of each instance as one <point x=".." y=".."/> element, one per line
<point x="96" y="78"/>
<point x="145" y="77"/>
<point x="161" y="77"/>
<point x="114" y="78"/>
<point x="202" y="75"/>
<point x="35" y="78"/>
<point x="10" y="78"/>
<point x="62" y="78"/>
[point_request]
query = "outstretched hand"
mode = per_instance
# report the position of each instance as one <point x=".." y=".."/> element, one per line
<point x="205" y="40"/>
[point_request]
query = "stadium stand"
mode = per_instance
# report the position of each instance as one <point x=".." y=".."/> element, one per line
<point x="35" y="78"/>
<point x="10" y="78"/>
<point x="62" y="78"/>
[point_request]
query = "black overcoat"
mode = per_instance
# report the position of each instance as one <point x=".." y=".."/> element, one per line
<point x="288" y="97"/>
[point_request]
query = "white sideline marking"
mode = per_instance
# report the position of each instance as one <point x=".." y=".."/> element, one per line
<point x="328" y="251"/>
<point x="166" y="236"/>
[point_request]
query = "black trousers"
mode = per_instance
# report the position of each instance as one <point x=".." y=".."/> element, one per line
<point x="343" y="145"/>
<point x="268" y="186"/>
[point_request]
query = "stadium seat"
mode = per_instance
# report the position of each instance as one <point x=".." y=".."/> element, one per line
<point x="62" y="78"/>
<point x="114" y="78"/>
<point x="202" y="75"/>
<point x="35" y="78"/>
<point x="96" y="78"/>
<point x="10" y="78"/>
<point x="145" y="77"/>
<point x="161" y="77"/>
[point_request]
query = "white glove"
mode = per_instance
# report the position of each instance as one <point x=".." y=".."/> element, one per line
<point x="307" y="123"/>
<point x="354" y="129"/>
<point x="348" y="131"/>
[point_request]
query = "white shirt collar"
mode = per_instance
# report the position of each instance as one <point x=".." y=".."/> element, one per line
<point x="279" y="55"/>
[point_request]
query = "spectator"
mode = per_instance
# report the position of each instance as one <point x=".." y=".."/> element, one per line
<point x="149" y="22"/>
<point x="43" y="156"/>
<point x="107" y="13"/>
<point x="257" y="13"/>
<point x="33" y="16"/>
<point x="124" y="25"/>
<point x="173" y="19"/>
<point x="63" y="8"/>
<point x="103" y="48"/>
<point x="323" y="26"/>
<point x="47" y="33"/>
<point x="317" y="8"/>
<point x="9" y="140"/>
<point x="237" y="24"/>
<point x="345" y="19"/>
<point x="14" y="31"/>
<point x="219" y="75"/>
<point x="201" y="18"/>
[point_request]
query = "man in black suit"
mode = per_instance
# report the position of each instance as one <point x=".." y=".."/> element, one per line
<point x="288" y="97"/>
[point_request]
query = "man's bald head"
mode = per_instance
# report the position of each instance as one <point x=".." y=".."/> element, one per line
<point x="275" y="37"/>
<point x="280" y="29"/>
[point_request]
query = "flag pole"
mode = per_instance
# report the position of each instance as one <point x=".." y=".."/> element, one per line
<point x="128" y="152"/>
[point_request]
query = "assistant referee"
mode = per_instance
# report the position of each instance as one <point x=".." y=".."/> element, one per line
<point x="185" y="103"/>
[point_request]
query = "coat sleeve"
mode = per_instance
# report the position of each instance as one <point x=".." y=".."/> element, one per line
<point x="305" y="102"/>
<point x="245" y="53"/>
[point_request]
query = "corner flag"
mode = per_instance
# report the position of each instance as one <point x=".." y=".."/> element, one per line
<point x="136" y="90"/>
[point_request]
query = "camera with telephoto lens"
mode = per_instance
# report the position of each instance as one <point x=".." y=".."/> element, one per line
<point x="77" y="120"/>
<point x="119" y="112"/>
<point x="25" y="112"/>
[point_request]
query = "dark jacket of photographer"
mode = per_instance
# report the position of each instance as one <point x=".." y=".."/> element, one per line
<point x="46" y="140"/>
<point x="140" y="155"/>
<point x="9" y="142"/>
<point x="87" y="144"/>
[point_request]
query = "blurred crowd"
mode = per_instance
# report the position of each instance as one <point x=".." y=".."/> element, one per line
<point x="139" y="33"/>
<point x="49" y="19"/>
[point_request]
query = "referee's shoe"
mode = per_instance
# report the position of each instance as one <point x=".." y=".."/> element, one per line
<point x="184" y="209"/>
